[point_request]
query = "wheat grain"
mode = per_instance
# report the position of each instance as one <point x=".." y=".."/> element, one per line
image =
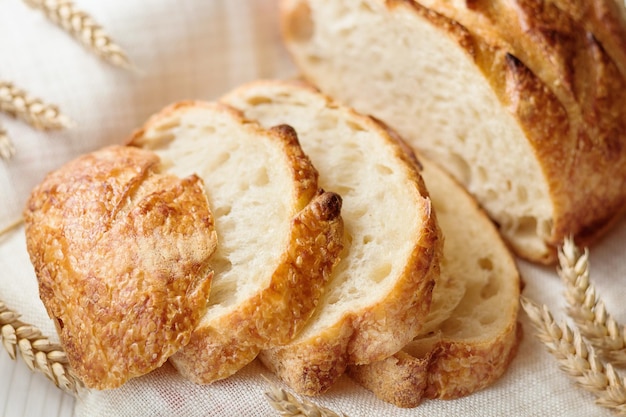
<point x="36" y="350"/>
<point x="82" y="27"/>
<point x="587" y="310"/>
<point x="288" y="405"/>
<point x="7" y="150"/>
<point x="18" y="103"/>
<point x="578" y="359"/>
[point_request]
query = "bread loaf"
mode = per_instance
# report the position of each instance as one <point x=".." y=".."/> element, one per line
<point x="121" y="252"/>
<point x="472" y="333"/>
<point x="522" y="101"/>
<point x="379" y="294"/>
<point x="279" y="235"/>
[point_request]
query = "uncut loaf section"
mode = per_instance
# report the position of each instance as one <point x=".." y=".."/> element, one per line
<point x="522" y="101"/>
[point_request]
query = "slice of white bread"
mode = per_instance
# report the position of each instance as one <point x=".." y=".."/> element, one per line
<point x="279" y="237"/>
<point x="522" y="104"/>
<point x="473" y="346"/>
<point x="121" y="252"/>
<point x="379" y="294"/>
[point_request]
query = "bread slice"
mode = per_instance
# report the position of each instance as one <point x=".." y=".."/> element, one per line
<point x="279" y="235"/>
<point x="521" y="103"/>
<point x="473" y="346"/>
<point x="379" y="294"/>
<point x="121" y="251"/>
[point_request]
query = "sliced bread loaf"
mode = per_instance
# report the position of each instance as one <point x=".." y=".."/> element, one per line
<point x="473" y="346"/>
<point x="121" y="252"/>
<point x="520" y="100"/>
<point x="379" y="294"/>
<point x="279" y="236"/>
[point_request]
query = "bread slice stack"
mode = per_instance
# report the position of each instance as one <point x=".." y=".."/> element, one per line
<point x="279" y="234"/>
<point x="379" y="294"/>
<point x="472" y="333"/>
<point x="522" y="101"/>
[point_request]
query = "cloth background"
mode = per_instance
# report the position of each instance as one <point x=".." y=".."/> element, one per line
<point x="188" y="49"/>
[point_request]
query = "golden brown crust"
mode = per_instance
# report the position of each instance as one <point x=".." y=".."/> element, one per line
<point x="450" y="369"/>
<point x="276" y="313"/>
<point x="121" y="254"/>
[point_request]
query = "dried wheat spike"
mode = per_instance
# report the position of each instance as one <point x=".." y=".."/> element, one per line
<point x="577" y="359"/>
<point x="81" y="26"/>
<point x="7" y="150"/>
<point x="587" y="310"/>
<point x="289" y="406"/>
<point x="36" y="350"/>
<point x="20" y="104"/>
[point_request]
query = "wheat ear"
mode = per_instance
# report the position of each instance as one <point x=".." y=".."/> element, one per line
<point x="37" y="351"/>
<point x="82" y="27"/>
<point x="7" y="150"/>
<point x="289" y="406"/>
<point x="586" y="309"/>
<point x="578" y="359"/>
<point x="18" y="103"/>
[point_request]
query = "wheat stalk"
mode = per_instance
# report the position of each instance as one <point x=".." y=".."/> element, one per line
<point x="586" y="309"/>
<point x="7" y="150"/>
<point x="82" y="26"/>
<point x="578" y="359"/>
<point x="36" y="350"/>
<point x="12" y="225"/>
<point x="288" y="405"/>
<point x="18" y="103"/>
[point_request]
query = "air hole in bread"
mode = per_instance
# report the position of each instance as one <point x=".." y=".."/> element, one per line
<point x="488" y="319"/>
<point x="452" y="325"/>
<point x="367" y="239"/>
<point x="257" y="100"/>
<point x="383" y="169"/>
<point x="314" y="60"/>
<point x="388" y="76"/>
<point x="222" y="211"/>
<point x="358" y="213"/>
<point x="481" y="174"/>
<point x="222" y="158"/>
<point x="491" y="195"/>
<point x="381" y="272"/>
<point x="365" y="7"/>
<point x="355" y="126"/>
<point x="300" y="23"/>
<point x="334" y="298"/>
<point x="60" y="322"/>
<point x="206" y="129"/>
<point x="485" y="264"/>
<point x="460" y="168"/>
<point x="262" y="178"/>
<point x="522" y="194"/>
<point x="490" y="289"/>
<point x="343" y="190"/>
<point x="526" y="226"/>
<point x="326" y="122"/>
